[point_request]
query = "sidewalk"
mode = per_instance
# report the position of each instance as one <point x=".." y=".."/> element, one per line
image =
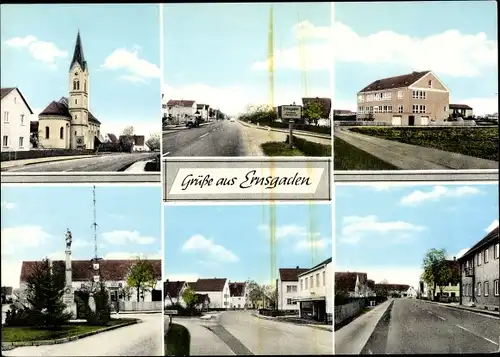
<point x="352" y="338"/>
<point x="23" y="162"/>
<point x="279" y="130"/>
<point x="316" y="326"/>
<point x="139" y="312"/>
<point x="466" y="308"/>
<point x="138" y="166"/>
<point x="412" y="157"/>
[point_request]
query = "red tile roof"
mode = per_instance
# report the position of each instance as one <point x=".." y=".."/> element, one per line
<point x="237" y="289"/>
<point x="111" y="270"/>
<point x="401" y="81"/>
<point x="291" y="274"/>
<point x="181" y="103"/>
<point x="215" y="284"/>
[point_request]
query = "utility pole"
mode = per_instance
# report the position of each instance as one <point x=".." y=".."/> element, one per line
<point x="95" y="260"/>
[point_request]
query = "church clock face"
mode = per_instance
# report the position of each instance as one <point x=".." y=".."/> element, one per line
<point x="79" y="141"/>
<point x="76" y="73"/>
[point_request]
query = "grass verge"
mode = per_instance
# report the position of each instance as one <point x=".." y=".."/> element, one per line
<point x="349" y="157"/>
<point x="276" y="148"/>
<point x="301" y="147"/>
<point x="177" y="341"/>
<point x="481" y="142"/>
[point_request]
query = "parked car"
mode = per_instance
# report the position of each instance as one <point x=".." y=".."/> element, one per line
<point x="193" y="122"/>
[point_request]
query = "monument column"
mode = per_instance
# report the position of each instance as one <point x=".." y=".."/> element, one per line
<point x="69" y="293"/>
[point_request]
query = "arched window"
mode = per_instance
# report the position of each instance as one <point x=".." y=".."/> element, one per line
<point x="85" y="86"/>
<point x="47" y="132"/>
<point x="76" y="84"/>
<point x="61" y="133"/>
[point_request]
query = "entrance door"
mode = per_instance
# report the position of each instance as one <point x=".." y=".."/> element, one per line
<point x="396" y="120"/>
<point x="411" y="120"/>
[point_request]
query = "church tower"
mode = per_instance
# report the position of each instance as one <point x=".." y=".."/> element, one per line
<point x="78" y="100"/>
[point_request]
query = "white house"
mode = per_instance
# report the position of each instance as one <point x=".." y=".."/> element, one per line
<point x="179" y="110"/>
<point x="217" y="290"/>
<point x="410" y="293"/>
<point x="114" y="273"/>
<point x="16" y="118"/>
<point x="173" y="292"/>
<point x="316" y="292"/>
<point x="288" y="288"/>
<point x="239" y="295"/>
<point x="202" y="111"/>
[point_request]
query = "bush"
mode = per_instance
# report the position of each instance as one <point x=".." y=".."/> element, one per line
<point x="182" y="311"/>
<point x="310" y="148"/>
<point x="102" y="314"/>
<point x="177" y="341"/>
<point x="17" y="317"/>
<point x="272" y="313"/>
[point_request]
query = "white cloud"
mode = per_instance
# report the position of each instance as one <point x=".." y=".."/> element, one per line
<point x="355" y="228"/>
<point x="207" y="246"/>
<point x="46" y="52"/>
<point x="438" y="192"/>
<point x="130" y="255"/>
<point x="492" y="226"/>
<point x="126" y="237"/>
<point x="480" y="106"/>
<point x="300" y="236"/>
<point x="19" y="239"/>
<point x="393" y="274"/>
<point x="183" y="277"/>
<point x="138" y="69"/>
<point x="9" y="205"/>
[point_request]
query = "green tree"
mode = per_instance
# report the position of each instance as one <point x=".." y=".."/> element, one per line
<point x="190" y="298"/>
<point x="154" y="142"/>
<point x="434" y="266"/>
<point x="255" y="292"/>
<point x="44" y="294"/>
<point x="313" y="111"/>
<point x="142" y="277"/>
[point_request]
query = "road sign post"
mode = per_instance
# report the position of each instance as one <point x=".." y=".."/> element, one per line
<point x="291" y="112"/>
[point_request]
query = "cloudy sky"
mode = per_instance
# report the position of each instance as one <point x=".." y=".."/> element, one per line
<point x="385" y="230"/>
<point x="234" y="242"/>
<point x="121" y="47"/>
<point x="35" y="219"/>
<point x="457" y="40"/>
<point x="217" y="53"/>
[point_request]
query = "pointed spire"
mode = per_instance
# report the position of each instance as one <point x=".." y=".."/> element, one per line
<point x="78" y="56"/>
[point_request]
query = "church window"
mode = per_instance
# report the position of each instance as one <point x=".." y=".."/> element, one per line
<point x="76" y="84"/>
<point x="61" y="133"/>
<point x="76" y="101"/>
<point x="47" y="132"/>
<point x="85" y="86"/>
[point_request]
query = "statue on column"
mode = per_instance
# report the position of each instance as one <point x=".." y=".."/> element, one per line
<point x="69" y="239"/>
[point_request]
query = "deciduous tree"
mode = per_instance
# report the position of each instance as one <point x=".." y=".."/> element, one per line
<point x="154" y="142"/>
<point x="142" y="276"/>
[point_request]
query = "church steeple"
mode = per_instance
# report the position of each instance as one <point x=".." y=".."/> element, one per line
<point x="78" y="56"/>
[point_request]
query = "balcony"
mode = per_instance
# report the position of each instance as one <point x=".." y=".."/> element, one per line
<point x="469" y="272"/>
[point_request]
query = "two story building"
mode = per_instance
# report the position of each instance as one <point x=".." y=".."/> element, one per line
<point x="177" y="111"/>
<point x="417" y="98"/>
<point x="216" y="290"/>
<point x="239" y="295"/>
<point x="287" y="286"/>
<point x="316" y="295"/>
<point x="16" y="118"/>
<point x="479" y="272"/>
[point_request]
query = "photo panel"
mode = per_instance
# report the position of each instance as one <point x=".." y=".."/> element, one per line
<point x="248" y="279"/>
<point x="428" y="101"/>
<point x="94" y="104"/>
<point x="257" y="83"/>
<point x="81" y="270"/>
<point x="421" y="275"/>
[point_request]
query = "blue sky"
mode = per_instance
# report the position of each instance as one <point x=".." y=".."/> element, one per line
<point x="213" y="53"/>
<point x="388" y="233"/>
<point x="233" y="242"/>
<point x="121" y="45"/>
<point x="35" y="219"/>
<point x="368" y="47"/>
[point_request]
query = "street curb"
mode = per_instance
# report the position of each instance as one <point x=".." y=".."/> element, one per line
<point x="386" y="313"/>
<point x="485" y="312"/>
<point x="43" y="162"/>
<point x="319" y="327"/>
<point x="139" y="312"/>
<point x="298" y="132"/>
<point x="66" y="339"/>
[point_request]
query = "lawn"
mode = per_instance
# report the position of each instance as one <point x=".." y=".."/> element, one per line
<point x="481" y="142"/>
<point x="276" y="148"/>
<point x="24" y="334"/>
<point x="177" y="341"/>
<point x="301" y="147"/>
<point x="349" y="157"/>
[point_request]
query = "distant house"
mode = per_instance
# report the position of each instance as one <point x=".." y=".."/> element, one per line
<point x="239" y="295"/>
<point x="202" y="111"/>
<point x="138" y="143"/>
<point x="411" y="293"/>
<point x="16" y="118"/>
<point x="460" y="111"/>
<point x="343" y="115"/>
<point x="386" y="289"/>
<point x="416" y="98"/>
<point x="180" y="110"/>
<point x="479" y="273"/>
<point x="110" y="138"/>
<point x="288" y="288"/>
<point x="173" y="291"/>
<point x="216" y="290"/>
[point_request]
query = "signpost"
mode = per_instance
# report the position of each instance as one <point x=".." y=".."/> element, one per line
<point x="291" y="112"/>
<point x="170" y="313"/>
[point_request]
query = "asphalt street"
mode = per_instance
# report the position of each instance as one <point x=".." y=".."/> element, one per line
<point x="221" y="138"/>
<point x="99" y="163"/>
<point x="418" y="327"/>
<point x="244" y="332"/>
<point x="141" y="339"/>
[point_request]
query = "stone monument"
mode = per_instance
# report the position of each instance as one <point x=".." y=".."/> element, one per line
<point x="69" y="292"/>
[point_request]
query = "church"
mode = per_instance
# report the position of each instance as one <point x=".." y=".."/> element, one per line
<point x="68" y="122"/>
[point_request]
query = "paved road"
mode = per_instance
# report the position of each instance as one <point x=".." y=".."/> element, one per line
<point x="418" y="327"/>
<point x="99" y="163"/>
<point x="242" y="331"/>
<point x="141" y="339"/>
<point x="221" y="138"/>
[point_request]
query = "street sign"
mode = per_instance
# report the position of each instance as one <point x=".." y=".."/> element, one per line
<point x="291" y="112"/>
<point x="170" y="312"/>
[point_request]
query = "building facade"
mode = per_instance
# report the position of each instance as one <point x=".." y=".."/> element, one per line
<point x="287" y="286"/>
<point x="177" y="111"/>
<point x="16" y="118"/>
<point x="417" y="98"/>
<point x="202" y="111"/>
<point x="461" y="110"/>
<point x="316" y="292"/>
<point x="239" y="295"/>
<point x="479" y="272"/>
<point x="216" y="290"/>
<point x="68" y="122"/>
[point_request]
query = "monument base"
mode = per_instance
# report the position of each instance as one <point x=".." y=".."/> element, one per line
<point x="69" y="301"/>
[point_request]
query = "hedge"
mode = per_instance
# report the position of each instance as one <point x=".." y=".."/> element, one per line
<point x="272" y="313"/>
<point x="36" y="154"/>
<point x="310" y="148"/>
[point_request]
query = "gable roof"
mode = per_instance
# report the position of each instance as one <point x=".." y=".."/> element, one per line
<point x="112" y="137"/>
<point x="173" y="288"/>
<point x="460" y="106"/>
<point x="5" y="91"/>
<point x="489" y="238"/>
<point x="326" y="104"/>
<point x="114" y="270"/>
<point x="181" y="103"/>
<point x="78" y="56"/>
<point x="291" y="274"/>
<point x="401" y="81"/>
<point x="324" y="262"/>
<point x="346" y="281"/>
<point x="60" y="108"/>
<point x="215" y="284"/>
<point x="237" y="289"/>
